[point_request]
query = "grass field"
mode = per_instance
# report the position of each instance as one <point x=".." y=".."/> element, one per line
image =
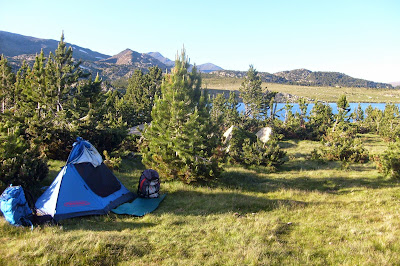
<point x="304" y="213"/>
<point x="328" y="94"/>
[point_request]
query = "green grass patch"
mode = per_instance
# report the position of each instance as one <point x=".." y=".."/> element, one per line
<point x="306" y="212"/>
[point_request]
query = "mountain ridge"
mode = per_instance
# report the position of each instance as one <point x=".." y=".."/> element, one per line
<point x="17" y="48"/>
<point x="20" y="47"/>
<point x="305" y="77"/>
<point x="13" y="44"/>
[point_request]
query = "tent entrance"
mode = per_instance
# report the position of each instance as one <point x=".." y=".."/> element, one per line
<point x="100" y="179"/>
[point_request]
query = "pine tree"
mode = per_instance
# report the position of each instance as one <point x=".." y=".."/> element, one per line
<point x="140" y="95"/>
<point x="232" y="113"/>
<point x="7" y="80"/>
<point x="63" y="74"/>
<point x="219" y="110"/>
<point x="320" y="119"/>
<point x="343" y="108"/>
<point x="358" y="114"/>
<point x="88" y="97"/>
<point x="179" y="142"/>
<point x="20" y="87"/>
<point x="35" y="90"/>
<point x="251" y="93"/>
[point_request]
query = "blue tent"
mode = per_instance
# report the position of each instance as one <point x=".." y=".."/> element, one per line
<point x="84" y="186"/>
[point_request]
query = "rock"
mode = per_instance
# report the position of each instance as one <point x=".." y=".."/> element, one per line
<point x="264" y="134"/>
<point x="228" y="134"/>
<point x="136" y="130"/>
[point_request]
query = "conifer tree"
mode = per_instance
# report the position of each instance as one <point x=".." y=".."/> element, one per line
<point x="343" y="108"/>
<point x="20" y="86"/>
<point x="358" y="114"/>
<point x="88" y="97"/>
<point x="179" y="142"/>
<point x="7" y="80"/>
<point x="63" y="74"/>
<point x="140" y="95"/>
<point x="219" y="110"/>
<point x="320" y="120"/>
<point x="35" y="91"/>
<point x="251" y="93"/>
<point x="232" y="113"/>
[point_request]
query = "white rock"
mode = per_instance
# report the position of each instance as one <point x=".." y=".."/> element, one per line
<point x="228" y="134"/>
<point x="264" y="134"/>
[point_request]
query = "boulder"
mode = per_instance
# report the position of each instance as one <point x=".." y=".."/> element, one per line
<point x="228" y="134"/>
<point x="136" y="130"/>
<point x="264" y="134"/>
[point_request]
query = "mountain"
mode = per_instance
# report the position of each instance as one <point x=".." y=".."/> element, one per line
<point x="265" y="76"/>
<point x="12" y="44"/>
<point x="129" y="57"/>
<point x="17" y="48"/>
<point x="297" y="75"/>
<point x="162" y="59"/>
<point x="205" y="68"/>
<point x="396" y="83"/>
<point x="319" y="78"/>
<point x="307" y="77"/>
<point x="208" y="67"/>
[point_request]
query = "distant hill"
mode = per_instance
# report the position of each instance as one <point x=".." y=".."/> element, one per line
<point x="130" y="57"/>
<point x="12" y="44"/>
<point x="18" y="48"/>
<point x="208" y="67"/>
<point x="265" y="76"/>
<point x="205" y="68"/>
<point x="319" y="78"/>
<point x="306" y="77"/>
<point x="162" y="59"/>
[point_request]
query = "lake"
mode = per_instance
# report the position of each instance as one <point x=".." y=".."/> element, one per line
<point x="353" y="106"/>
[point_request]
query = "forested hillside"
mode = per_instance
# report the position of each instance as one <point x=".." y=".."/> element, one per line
<point x="306" y="77"/>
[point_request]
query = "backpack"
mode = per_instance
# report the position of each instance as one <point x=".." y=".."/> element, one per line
<point x="149" y="184"/>
<point x="14" y="206"/>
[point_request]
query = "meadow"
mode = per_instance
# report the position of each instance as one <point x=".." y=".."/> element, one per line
<point x="327" y="94"/>
<point x="306" y="212"/>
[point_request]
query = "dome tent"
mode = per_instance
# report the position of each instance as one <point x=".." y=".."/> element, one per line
<point x="84" y="186"/>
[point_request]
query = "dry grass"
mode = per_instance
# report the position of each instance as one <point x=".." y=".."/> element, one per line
<point x="328" y="94"/>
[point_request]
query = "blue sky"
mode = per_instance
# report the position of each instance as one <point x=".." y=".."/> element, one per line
<point x="359" y="38"/>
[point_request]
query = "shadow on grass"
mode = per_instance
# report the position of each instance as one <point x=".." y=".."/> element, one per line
<point x="253" y="182"/>
<point x="103" y="223"/>
<point x="198" y="203"/>
<point x="289" y="143"/>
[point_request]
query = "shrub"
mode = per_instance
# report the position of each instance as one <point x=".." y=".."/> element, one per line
<point x="235" y="144"/>
<point x="341" y="144"/>
<point x="21" y="161"/>
<point x="389" y="161"/>
<point x="114" y="163"/>
<point x="258" y="153"/>
<point x="244" y="148"/>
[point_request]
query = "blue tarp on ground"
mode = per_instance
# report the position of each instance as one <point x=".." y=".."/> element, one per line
<point x="139" y="207"/>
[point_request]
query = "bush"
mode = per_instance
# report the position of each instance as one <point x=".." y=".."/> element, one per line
<point x="235" y="144"/>
<point x="244" y="148"/>
<point x="114" y="163"/>
<point x="103" y="138"/>
<point x="341" y="144"/>
<point x="389" y="161"/>
<point x="259" y="153"/>
<point x="21" y="161"/>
